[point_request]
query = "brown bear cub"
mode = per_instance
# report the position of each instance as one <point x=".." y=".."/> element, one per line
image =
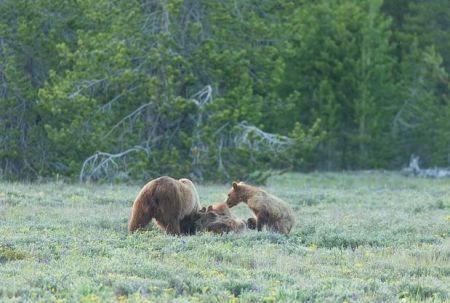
<point x="220" y="209"/>
<point x="270" y="211"/>
<point x="168" y="201"/>
<point x="223" y="209"/>
<point x="219" y="219"/>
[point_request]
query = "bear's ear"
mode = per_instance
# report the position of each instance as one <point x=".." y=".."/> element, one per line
<point x="203" y="210"/>
<point x="210" y="208"/>
<point x="235" y="186"/>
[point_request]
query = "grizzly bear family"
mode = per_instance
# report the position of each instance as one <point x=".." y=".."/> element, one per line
<point x="175" y="206"/>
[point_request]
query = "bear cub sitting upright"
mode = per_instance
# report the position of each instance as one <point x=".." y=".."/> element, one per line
<point x="270" y="211"/>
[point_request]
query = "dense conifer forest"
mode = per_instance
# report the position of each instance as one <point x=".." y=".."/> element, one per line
<point x="214" y="90"/>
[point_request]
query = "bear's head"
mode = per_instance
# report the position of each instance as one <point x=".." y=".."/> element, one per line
<point x="236" y="194"/>
<point x="220" y="209"/>
<point x="213" y="222"/>
<point x="140" y="215"/>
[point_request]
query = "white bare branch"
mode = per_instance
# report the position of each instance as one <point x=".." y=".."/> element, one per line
<point x="85" y="85"/>
<point x="202" y="97"/>
<point x="127" y="117"/>
<point x="256" y="139"/>
<point x="102" y="161"/>
<point x="107" y="106"/>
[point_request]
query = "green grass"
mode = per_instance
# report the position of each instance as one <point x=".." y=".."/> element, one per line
<point x="360" y="237"/>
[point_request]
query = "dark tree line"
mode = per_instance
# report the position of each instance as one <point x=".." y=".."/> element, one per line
<point x="215" y="90"/>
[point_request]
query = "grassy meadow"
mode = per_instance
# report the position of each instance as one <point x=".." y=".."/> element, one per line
<point x="360" y="237"/>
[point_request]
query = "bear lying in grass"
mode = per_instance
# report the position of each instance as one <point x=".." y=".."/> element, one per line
<point x="224" y="210"/>
<point x="217" y="218"/>
<point x="168" y="201"/>
<point x="270" y="211"/>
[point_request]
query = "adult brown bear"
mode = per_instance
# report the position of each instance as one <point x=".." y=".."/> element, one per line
<point x="168" y="201"/>
<point x="269" y="210"/>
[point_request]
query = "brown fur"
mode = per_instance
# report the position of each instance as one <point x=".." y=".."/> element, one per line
<point x="220" y="209"/>
<point x="168" y="201"/>
<point x="269" y="210"/>
<point x="219" y="219"/>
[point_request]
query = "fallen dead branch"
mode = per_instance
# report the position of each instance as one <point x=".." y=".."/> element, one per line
<point x="414" y="170"/>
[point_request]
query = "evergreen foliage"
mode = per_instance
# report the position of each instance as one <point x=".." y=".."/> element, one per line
<point x="217" y="90"/>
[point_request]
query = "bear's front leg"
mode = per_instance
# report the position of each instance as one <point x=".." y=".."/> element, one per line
<point x="261" y="220"/>
<point x="140" y="216"/>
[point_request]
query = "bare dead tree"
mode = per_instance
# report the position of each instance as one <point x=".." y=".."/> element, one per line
<point x="105" y="164"/>
<point x="226" y="137"/>
<point x="409" y="115"/>
<point x="199" y="148"/>
<point x="128" y="117"/>
<point x="256" y="139"/>
<point x="107" y="106"/>
<point x="414" y="170"/>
